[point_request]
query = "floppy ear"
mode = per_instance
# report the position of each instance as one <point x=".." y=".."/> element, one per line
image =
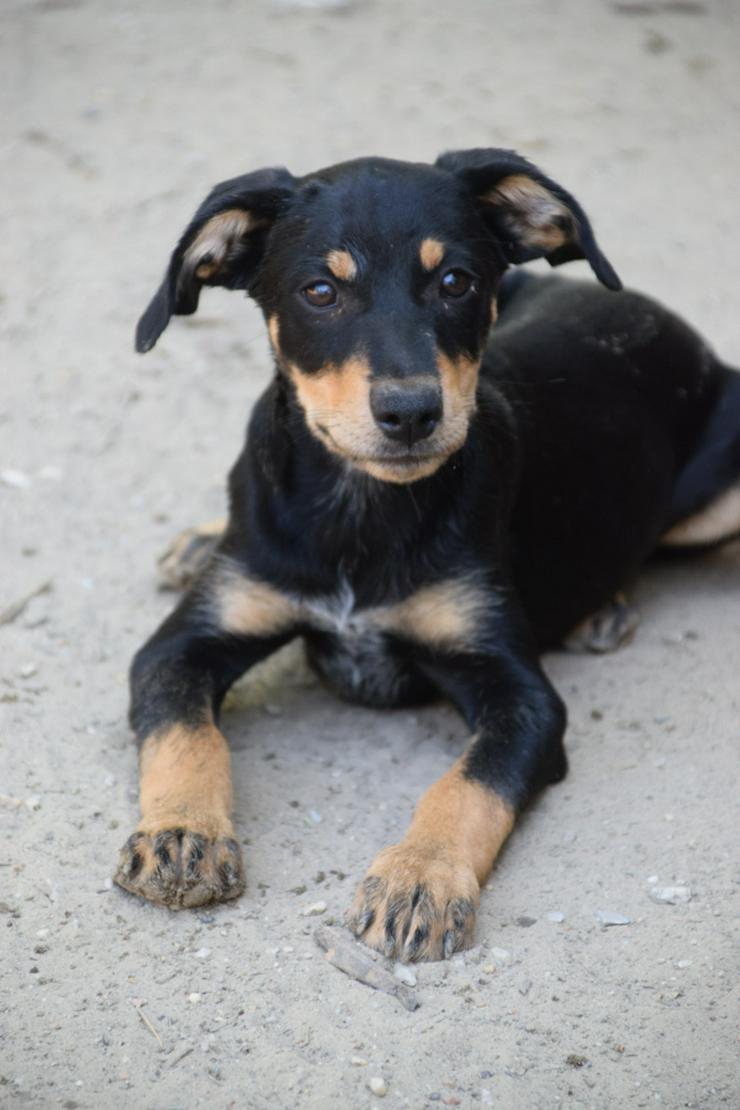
<point x="529" y="215"/>
<point x="221" y="246"/>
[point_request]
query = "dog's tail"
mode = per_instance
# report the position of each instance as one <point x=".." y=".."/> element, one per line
<point x="706" y="499"/>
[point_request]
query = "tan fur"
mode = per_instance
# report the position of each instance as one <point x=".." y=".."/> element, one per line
<point x="431" y="253"/>
<point x="342" y="265"/>
<point x="532" y="210"/>
<point x="445" y="615"/>
<point x="464" y="816"/>
<point x="186" y="781"/>
<point x="246" y="607"/>
<point x="216" y="238"/>
<point x="718" y="521"/>
<point x="459" y="378"/>
<point x="336" y="401"/>
<point x="273" y="330"/>
<point x="432" y="878"/>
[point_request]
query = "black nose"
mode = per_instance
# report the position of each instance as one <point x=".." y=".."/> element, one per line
<point x="406" y="413"/>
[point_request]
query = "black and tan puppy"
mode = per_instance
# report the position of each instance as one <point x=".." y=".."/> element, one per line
<point x="427" y="508"/>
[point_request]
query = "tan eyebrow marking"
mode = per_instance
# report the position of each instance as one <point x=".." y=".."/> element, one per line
<point x="431" y="253"/>
<point x="342" y="265"/>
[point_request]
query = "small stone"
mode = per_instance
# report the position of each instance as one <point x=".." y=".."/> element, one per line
<point x="555" y="916"/>
<point x="501" y="954"/>
<point x="525" y="987"/>
<point x="16" y="479"/>
<point x="202" y="953"/>
<point x="683" y="963"/>
<point x="194" y="997"/>
<point x="404" y="973"/>
<point x="526" y="922"/>
<point x="576" y="1061"/>
<point x="378" y="1086"/>
<point x="28" y="670"/>
<point x="490" y="969"/>
<point x="33" y="802"/>
<point x="607" y="918"/>
<point x="315" y="816"/>
<point x="314" y="910"/>
<point x="671" y="895"/>
<point x="358" y="1062"/>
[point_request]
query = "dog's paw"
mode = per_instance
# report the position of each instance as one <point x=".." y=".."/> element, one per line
<point x="188" y="554"/>
<point x="416" y="903"/>
<point x="606" y="630"/>
<point x="180" y="868"/>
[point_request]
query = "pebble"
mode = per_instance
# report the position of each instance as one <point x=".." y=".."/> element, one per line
<point x="194" y="997"/>
<point x="378" y="1086"/>
<point x="607" y="918"/>
<point x="33" y="801"/>
<point x="671" y="895"/>
<point x="358" y="1062"/>
<point x="314" y="910"/>
<point x="555" y="916"/>
<point x="404" y="973"/>
<point x="28" y="670"/>
<point x="202" y="953"/>
<point x="503" y="955"/>
<point x="16" y="479"/>
<point x="490" y="969"/>
<point x="315" y="816"/>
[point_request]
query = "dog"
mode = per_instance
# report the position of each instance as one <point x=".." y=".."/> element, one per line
<point x="428" y="507"/>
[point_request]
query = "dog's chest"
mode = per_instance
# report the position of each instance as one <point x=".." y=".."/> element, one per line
<point x="339" y="614"/>
<point x="353" y="653"/>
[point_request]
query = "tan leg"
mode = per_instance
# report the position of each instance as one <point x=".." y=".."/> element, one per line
<point x="419" y="898"/>
<point x="183" y="852"/>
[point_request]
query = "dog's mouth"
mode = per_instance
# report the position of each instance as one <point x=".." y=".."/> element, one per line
<point x="390" y="465"/>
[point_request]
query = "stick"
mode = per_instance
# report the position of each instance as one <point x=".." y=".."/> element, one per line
<point x="147" y="1022"/>
<point x="8" y="615"/>
<point x="352" y="960"/>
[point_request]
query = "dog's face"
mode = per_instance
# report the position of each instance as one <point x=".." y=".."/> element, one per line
<point x="378" y="281"/>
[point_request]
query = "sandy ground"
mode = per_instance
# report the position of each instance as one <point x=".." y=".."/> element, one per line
<point x="117" y="119"/>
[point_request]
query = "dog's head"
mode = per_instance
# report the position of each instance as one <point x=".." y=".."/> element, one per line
<point x="378" y="282"/>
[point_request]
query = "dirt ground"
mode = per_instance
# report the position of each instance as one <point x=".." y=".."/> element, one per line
<point x="116" y="121"/>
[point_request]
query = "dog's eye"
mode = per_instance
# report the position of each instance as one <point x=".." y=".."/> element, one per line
<point x="455" y="283"/>
<point x="320" y="294"/>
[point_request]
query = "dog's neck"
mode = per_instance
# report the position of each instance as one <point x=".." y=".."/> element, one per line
<point x="330" y="520"/>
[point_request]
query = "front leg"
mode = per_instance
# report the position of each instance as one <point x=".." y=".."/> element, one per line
<point x="183" y="852"/>
<point x="419" y="898"/>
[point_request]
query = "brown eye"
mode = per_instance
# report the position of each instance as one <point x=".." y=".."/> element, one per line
<point x="320" y="294"/>
<point x="455" y="283"/>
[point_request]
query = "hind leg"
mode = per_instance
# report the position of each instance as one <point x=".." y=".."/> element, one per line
<point x="717" y="523"/>
<point x="608" y="629"/>
<point x="188" y="554"/>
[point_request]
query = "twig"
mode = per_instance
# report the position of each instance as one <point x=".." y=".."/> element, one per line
<point x="145" y="1019"/>
<point x="8" y="615"/>
<point x="350" y="958"/>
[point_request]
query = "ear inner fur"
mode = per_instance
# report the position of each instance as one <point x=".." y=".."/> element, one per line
<point x="542" y="221"/>
<point x="216" y="239"/>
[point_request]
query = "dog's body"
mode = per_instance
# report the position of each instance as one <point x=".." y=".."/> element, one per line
<point x="426" y="508"/>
